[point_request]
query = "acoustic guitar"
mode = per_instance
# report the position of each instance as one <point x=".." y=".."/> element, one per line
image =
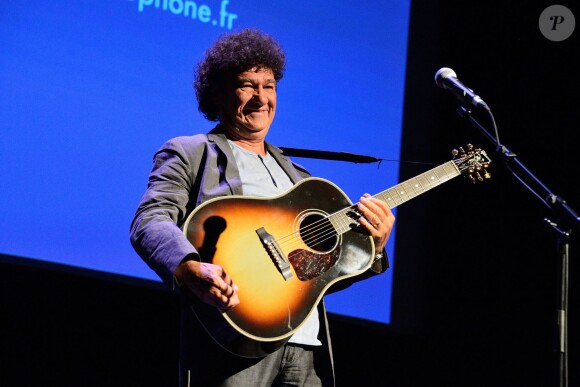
<point x="285" y="252"/>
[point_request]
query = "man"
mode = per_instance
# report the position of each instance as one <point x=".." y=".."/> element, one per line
<point x="236" y="84"/>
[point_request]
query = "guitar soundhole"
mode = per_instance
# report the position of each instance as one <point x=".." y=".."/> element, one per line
<point x="318" y="233"/>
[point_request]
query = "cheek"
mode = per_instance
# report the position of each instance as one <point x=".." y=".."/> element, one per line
<point x="240" y="102"/>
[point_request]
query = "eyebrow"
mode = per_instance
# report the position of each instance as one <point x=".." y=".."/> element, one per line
<point x="242" y="80"/>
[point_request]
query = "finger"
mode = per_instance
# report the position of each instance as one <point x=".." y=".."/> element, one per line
<point x="217" y="298"/>
<point x="229" y="303"/>
<point x="370" y="212"/>
<point x="229" y="286"/>
<point x="218" y="289"/>
<point x="228" y="294"/>
<point x="379" y="208"/>
<point x="226" y="278"/>
<point x="233" y="301"/>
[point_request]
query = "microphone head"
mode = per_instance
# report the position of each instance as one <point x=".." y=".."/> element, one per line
<point x="442" y="74"/>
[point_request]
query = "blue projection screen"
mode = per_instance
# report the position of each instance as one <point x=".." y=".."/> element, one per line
<point x="89" y="90"/>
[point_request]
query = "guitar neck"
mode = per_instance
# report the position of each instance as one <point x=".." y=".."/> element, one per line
<point x="422" y="183"/>
<point x="344" y="220"/>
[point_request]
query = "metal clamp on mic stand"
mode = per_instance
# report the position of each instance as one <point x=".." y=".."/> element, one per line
<point x="447" y="79"/>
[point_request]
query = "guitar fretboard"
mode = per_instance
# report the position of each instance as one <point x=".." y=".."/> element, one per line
<point x="400" y="193"/>
<point x="414" y="187"/>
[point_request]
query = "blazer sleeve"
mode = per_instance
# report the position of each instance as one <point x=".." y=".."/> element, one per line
<point x="155" y="233"/>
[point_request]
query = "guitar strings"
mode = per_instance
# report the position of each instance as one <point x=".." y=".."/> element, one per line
<point x="315" y="233"/>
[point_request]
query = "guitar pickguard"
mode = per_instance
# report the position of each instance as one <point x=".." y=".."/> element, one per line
<point x="309" y="265"/>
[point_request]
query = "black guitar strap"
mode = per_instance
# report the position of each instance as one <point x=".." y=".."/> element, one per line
<point x="328" y="155"/>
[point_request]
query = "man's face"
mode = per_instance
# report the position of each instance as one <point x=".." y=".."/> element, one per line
<point x="250" y="103"/>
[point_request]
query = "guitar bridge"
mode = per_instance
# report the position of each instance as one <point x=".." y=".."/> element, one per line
<point x="274" y="251"/>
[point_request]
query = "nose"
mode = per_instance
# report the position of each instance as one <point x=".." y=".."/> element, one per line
<point x="260" y="95"/>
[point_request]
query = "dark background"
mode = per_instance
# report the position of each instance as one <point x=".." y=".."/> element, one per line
<point x="477" y="284"/>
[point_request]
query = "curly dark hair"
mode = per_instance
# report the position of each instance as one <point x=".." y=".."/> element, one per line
<point x="230" y="55"/>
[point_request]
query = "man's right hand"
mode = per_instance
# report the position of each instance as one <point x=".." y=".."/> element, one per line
<point x="209" y="283"/>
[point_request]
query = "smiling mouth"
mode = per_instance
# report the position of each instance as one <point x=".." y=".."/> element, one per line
<point x="249" y="111"/>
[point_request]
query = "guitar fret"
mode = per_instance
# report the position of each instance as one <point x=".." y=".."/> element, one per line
<point x="341" y="221"/>
<point x="413" y="187"/>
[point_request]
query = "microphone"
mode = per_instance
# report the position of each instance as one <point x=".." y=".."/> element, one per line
<point x="446" y="78"/>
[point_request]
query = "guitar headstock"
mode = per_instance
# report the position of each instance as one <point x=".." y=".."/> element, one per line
<point x="472" y="163"/>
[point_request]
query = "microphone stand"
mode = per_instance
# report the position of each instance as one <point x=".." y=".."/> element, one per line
<point x="561" y="211"/>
